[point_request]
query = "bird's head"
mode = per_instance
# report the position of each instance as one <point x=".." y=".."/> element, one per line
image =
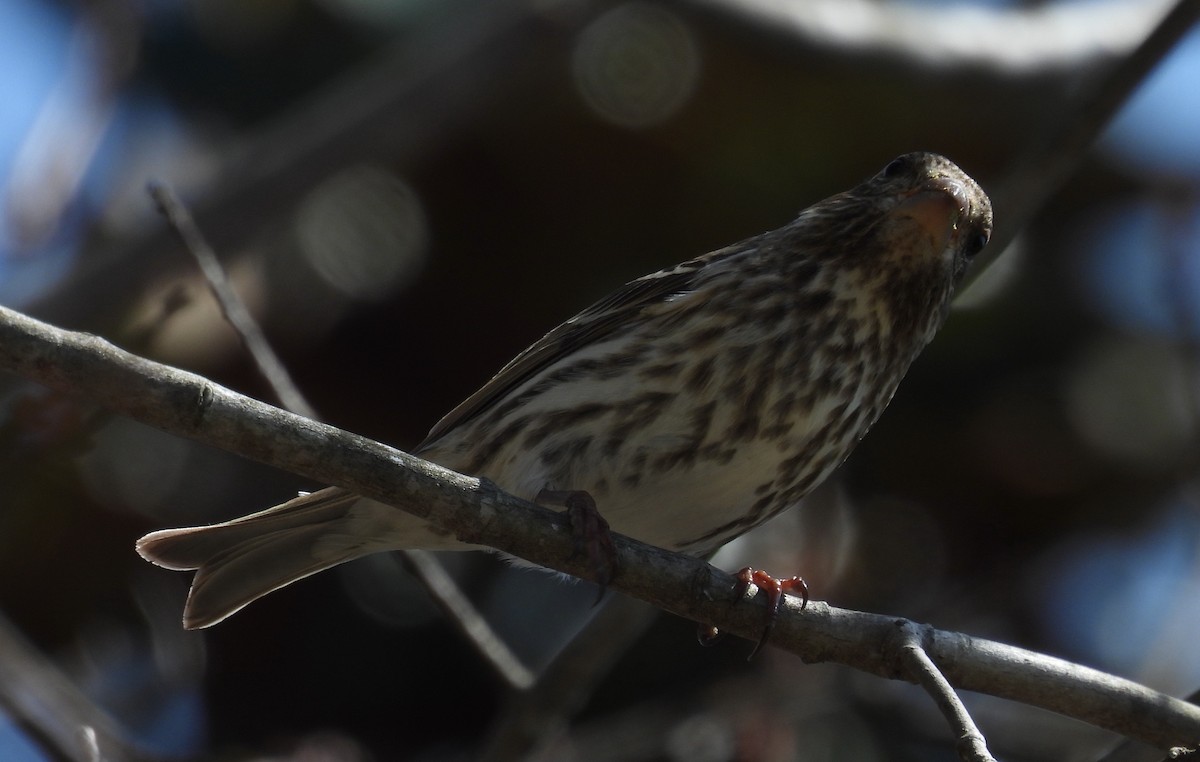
<point x="905" y="235"/>
<point x="929" y="208"/>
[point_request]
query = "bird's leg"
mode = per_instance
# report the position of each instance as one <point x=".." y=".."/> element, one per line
<point x="774" y="588"/>
<point x="590" y="530"/>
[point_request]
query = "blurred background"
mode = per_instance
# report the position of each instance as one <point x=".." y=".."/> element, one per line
<point x="407" y="193"/>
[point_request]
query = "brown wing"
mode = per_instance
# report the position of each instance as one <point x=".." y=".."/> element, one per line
<point x="588" y="327"/>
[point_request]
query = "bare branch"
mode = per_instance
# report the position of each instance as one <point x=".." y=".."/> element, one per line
<point x="479" y="513"/>
<point x="1131" y="751"/>
<point x="390" y="109"/>
<point x="232" y="307"/>
<point x="1009" y="39"/>
<point x="1050" y="159"/>
<point x="972" y="747"/>
<point x="446" y="593"/>
<point x="437" y="582"/>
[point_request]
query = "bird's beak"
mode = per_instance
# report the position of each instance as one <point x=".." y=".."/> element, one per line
<point x="936" y="207"/>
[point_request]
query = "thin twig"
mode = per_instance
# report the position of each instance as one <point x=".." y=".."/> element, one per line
<point x="428" y="571"/>
<point x="446" y="593"/>
<point x="477" y="512"/>
<point x="971" y="745"/>
<point x="232" y="307"/>
<point x="392" y="108"/>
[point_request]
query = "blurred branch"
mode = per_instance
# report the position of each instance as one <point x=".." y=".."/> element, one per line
<point x="393" y="108"/>
<point x="234" y="310"/>
<point x="38" y="694"/>
<point x="437" y="582"/>
<point x="479" y="513"/>
<point x="533" y="718"/>
<point x="398" y="106"/>
<point x="49" y="167"/>
<point x="1013" y="39"/>
<point x="1050" y="159"/>
<point x="446" y="593"/>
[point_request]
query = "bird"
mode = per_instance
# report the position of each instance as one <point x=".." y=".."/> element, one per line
<point x="688" y="406"/>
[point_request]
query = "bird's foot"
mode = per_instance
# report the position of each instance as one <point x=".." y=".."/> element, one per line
<point x="591" y="533"/>
<point x="774" y="589"/>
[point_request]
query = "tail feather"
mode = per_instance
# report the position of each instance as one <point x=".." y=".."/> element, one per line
<point x="191" y="547"/>
<point x="242" y="560"/>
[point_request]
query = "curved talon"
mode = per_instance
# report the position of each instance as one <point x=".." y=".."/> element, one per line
<point x="774" y="589"/>
<point x="708" y="635"/>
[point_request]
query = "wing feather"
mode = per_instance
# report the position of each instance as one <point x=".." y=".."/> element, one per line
<point x="588" y="327"/>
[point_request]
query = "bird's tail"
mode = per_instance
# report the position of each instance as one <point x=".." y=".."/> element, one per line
<point x="242" y="560"/>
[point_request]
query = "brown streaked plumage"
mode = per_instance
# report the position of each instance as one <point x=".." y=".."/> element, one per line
<point x="693" y="403"/>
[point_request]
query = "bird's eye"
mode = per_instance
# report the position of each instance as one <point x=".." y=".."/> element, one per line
<point x="975" y="244"/>
<point x="897" y="167"/>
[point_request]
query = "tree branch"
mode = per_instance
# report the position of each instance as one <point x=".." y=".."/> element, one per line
<point x="428" y="571"/>
<point x="1022" y="39"/>
<point x="478" y="512"/>
<point x="232" y="307"/>
<point x="970" y="742"/>
<point x="454" y="603"/>
<point x="1044" y="166"/>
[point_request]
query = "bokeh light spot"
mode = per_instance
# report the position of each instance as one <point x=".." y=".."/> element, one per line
<point x="364" y="232"/>
<point x="1126" y="599"/>
<point x="1132" y="401"/>
<point x="636" y="65"/>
